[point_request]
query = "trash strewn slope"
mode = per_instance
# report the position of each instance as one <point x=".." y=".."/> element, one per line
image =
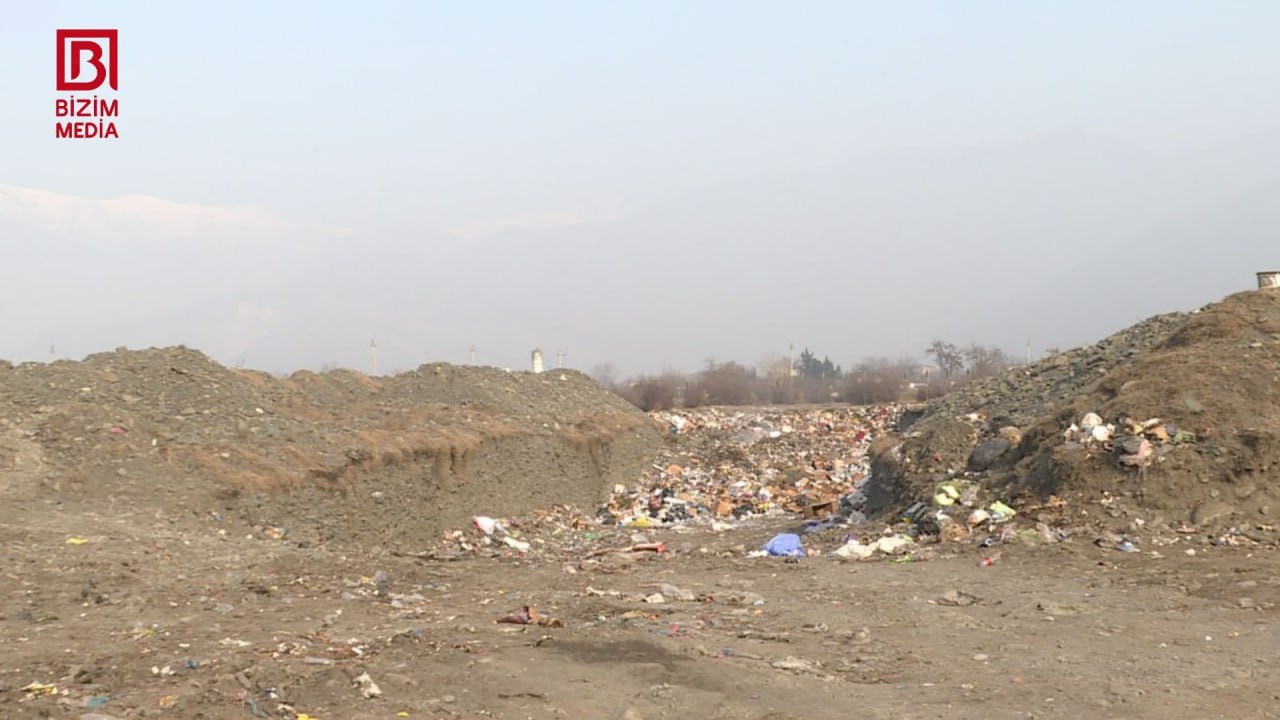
<point x="1206" y="401"/>
<point x="1178" y="415"/>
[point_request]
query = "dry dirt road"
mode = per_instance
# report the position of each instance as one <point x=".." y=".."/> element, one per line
<point x="164" y="616"/>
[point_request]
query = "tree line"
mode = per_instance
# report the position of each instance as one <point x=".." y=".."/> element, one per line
<point x="808" y="379"/>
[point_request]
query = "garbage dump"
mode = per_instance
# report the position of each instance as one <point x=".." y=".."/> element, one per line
<point x="730" y="464"/>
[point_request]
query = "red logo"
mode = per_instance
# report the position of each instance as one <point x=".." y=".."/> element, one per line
<point x="87" y="59"/>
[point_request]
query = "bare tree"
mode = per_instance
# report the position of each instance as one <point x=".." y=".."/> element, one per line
<point x="949" y="358"/>
<point x="652" y="392"/>
<point x="726" y="384"/>
<point x="873" y="380"/>
<point x="985" y="361"/>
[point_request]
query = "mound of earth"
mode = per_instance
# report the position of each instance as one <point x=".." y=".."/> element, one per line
<point x="937" y="441"/>
<point x="1217" y="380"/>
<point x="336" y="455"/>
<point x="1022" y="395"/>
<point x="1189" y="407"/>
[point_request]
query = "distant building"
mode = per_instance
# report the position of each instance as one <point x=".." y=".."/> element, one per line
<point x="537" y="360"/>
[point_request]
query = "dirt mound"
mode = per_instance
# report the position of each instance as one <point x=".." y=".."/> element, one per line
<point x="936" y="442"/>
<point x="1023" y="395"/>
<point x="337" y="455"/>
<point x="1216" y="379"/>
<point x="1187" y="411"/>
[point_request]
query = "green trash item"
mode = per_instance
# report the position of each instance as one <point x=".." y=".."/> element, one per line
<point x="1000" y="509"/>
<point x="947" y="494"/>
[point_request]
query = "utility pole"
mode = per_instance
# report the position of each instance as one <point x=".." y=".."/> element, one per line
<point x="791" y="373"/>
<point x="373" y="356"/>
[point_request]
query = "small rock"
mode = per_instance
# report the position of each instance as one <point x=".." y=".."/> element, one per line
<point x="1244" y="490"/>
<point x="1209" y="511"/>
<point x="678" y="593"/>
<point x="1131" y="445"/>
<point x="956" y="598"/>
<point x="795" y="664"/>
<point x="985" y="454"/>
<point x="1012" y="434"/>
<point x="1191" y="402"/>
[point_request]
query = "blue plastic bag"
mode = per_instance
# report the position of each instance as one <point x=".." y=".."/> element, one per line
<point x="784" y="545"/>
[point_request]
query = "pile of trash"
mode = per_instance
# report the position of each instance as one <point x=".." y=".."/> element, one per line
<point x="717" y="466"/>
<point x="730" y="464"/>
<point x="1134" y="443"/>
<point x="955" y="515"/>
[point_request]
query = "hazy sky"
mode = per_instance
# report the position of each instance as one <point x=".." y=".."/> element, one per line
<point x="648" y="183"/>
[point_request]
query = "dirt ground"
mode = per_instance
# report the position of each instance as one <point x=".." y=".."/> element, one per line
<point x="163" y="616"/>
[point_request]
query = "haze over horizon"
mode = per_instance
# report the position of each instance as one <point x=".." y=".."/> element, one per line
<point x="648" y="185"/>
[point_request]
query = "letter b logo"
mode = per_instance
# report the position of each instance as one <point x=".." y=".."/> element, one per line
<point x="87" y="59"/>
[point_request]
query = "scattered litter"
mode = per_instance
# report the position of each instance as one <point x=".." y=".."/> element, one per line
<point x="784" y="545"/>
<point x="798" y="665"/>
<point x="368" y="687"/>
<point x="520" y="545"/>
<point x="486" y="525"/>
<point x="526" y="615"/>
<point x="888" y="545"/>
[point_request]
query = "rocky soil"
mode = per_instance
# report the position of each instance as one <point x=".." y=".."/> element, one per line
<point x="323" y="456"/>
<point x="1025" y="394"/>
<point x="1213" y="374"/>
